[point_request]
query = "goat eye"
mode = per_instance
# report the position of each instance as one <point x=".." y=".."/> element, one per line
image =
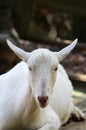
<point x="55" y="69"/>
<point x="30" y="69"/>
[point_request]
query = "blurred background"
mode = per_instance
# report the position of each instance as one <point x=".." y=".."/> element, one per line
<point x="52" y="24"/>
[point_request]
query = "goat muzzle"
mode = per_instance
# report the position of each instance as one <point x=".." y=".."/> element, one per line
<point x="43" y="100"/>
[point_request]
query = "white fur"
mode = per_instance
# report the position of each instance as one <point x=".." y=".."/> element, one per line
<point x="20" y="88"/>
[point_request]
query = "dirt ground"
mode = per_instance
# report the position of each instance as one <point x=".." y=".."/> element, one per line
<point x="79" y="95"/>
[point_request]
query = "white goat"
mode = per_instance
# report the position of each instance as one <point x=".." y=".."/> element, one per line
<point x="36" y="93"/>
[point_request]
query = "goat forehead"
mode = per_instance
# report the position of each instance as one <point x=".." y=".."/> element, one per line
<point x="41" y="56"/>
<point x="42" y="51"/>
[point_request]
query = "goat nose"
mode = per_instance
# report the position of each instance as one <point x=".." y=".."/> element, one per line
<point x="43" y="100"/>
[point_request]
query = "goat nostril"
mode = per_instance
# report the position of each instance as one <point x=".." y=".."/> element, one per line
<point x="46" y="98"/>
<point x="42" y="99"/>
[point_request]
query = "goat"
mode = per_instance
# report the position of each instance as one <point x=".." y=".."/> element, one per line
<point x="36" y="93"/>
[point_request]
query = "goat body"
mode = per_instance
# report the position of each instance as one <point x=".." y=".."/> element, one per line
<point x="20" y="88"/>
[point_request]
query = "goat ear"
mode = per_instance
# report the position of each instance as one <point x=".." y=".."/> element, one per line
<point x="61" y="55"/>
<point x="19" y="52"/>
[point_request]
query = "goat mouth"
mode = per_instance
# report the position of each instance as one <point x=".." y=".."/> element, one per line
<point x="43" y="105"/>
